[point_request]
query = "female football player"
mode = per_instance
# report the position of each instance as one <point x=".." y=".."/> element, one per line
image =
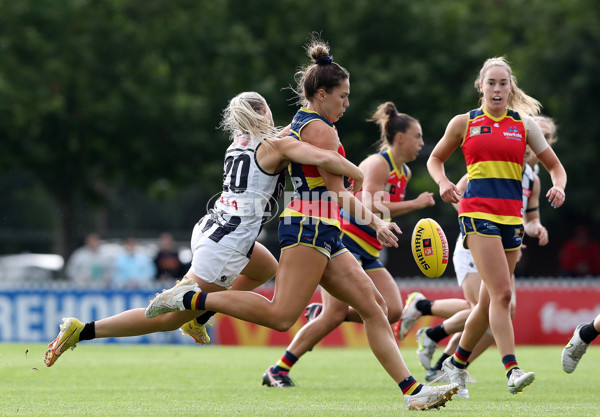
<point x="224" y="241"/>
<point x="312" y="252"/>
<point x="493" y="139"/>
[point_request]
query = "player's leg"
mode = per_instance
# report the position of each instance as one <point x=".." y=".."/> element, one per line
<point x="333" y="314"/>
<point x="260" y="269"/>
<point x="447" y="307"/>
<point x="494" y="300"/>
<point x="583" y="336"/>
<point x="493" y="269"/>
<point x="344" y="279"/>
<point x="436" y="372"/>
<point x="470" y="282"/>
<point x="306" y="248"/>
<point x="417" y="305"/>
<point x="428" y="338"/>
<point x="385" y="284"/>
<point x="298" y="275"/>
<point x="493" y="307"/>
<point x="488" y="338"/>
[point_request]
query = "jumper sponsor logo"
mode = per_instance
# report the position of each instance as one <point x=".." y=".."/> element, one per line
<point x="513" y="133"/>
<point x="480" y="130"/>
<point x="264" y="207"/>
<point x="229" y="202"/>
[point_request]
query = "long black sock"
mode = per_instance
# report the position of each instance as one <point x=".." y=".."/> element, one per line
<point x="424" y="306"/>
<point x="88" y="332"/>
<point x="436" y="333"/>
<point x="204" y="317"/>
<point x="588" y="333"/>
<point x="438" y="364"/>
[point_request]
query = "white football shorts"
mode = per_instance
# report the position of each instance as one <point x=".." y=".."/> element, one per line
<point x="215" y="263"/>
<point x="463" y="262"/>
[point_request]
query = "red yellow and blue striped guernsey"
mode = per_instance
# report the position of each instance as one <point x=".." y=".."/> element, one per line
<point x="310" y="193"/>
<point x="395" y="190"/>
<point x="493" y="148"/>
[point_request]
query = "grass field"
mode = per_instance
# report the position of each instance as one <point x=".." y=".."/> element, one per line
<point x="174" y="380"/>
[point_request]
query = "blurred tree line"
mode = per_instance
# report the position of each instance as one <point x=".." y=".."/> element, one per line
<point x="109" y="109"/>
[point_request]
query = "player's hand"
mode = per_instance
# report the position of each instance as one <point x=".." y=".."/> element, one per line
<point x="449" y="192"/>
<point x="356" y="184"/>
<point x="556" y="196"/>
<point x="425" y="199"/>
<point x="542" y="235"/>
<point x="386" y="233"/>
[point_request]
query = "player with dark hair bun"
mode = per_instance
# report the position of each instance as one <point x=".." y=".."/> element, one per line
<point x="386" y="178"/>
<point x="312" y="252"/>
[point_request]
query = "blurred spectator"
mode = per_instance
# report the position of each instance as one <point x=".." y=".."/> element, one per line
<point x="87" y="265"/>
<point x="168" y="264"/>
<point x="580" y="255"/>
<point x="133" y="267"/>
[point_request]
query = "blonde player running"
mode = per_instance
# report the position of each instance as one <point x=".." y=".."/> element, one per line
<point x="467" y="275"/>
<point x="493" y="139"/>
<point x="224" y="241"/>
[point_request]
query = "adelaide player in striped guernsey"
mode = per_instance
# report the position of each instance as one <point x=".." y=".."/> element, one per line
<point x="312" y="252"/>
<point x="493" y="139"/>
<point x="384" y="189"/>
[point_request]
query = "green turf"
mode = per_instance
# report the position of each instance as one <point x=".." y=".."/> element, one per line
<point x="134" y="380"/>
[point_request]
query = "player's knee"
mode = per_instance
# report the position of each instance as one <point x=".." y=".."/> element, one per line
<point x="394" y="314"/>
<point x="380" y="301"/>
<point x="283" y="323"/>
<point x="504" y="297"/>
<point x="513" y="309"/>
<point x="372" y="309"/>
<point x="168" y="322"/>
<point x="384" y="309"/>
<point x="335" y="317"/>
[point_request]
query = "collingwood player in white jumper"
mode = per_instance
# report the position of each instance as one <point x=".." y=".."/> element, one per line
<point x="225" y="252"/>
